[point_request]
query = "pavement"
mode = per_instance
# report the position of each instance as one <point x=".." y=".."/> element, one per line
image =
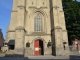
<point x="2" y="54"/>
<point x="6" y="58"/>
<point x="72" y="57"/>
<point x="48" y="57"/>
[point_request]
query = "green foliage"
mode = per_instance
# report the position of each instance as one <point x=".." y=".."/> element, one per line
<point x="72" y="17"/>
<point x="68" y="0"/>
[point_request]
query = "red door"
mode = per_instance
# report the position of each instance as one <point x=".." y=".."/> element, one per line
<point x="36" y="48"/>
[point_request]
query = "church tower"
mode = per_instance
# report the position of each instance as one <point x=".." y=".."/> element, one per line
<point x="37" y="27"/>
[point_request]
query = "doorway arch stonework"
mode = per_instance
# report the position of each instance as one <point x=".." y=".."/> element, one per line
<point x="39" y="38"/>
<point x="38" y="47"/>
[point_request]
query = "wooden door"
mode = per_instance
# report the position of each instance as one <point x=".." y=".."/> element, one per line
<point x="36" y="48"/>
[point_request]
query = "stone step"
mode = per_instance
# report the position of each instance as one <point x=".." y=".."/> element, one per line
<point x="48" y="57"/>
<point x="10" y="52"/>
<point x="14" y="55"/>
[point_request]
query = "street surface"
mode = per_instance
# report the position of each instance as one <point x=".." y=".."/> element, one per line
<point x="73" y="57"/>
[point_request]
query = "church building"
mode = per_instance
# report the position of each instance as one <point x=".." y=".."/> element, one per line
<point x="37" y="27"/>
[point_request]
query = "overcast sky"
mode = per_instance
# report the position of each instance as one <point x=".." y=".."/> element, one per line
<point x="5" y="14"/>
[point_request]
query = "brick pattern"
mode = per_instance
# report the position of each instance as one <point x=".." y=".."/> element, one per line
<point x="79" y="45"/>
<point x="1" y="39"/>
<point x="75" y="46"/>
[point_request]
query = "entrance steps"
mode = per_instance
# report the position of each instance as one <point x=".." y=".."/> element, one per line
<point x="10" y="52"/>
<point x="48" y="57"/>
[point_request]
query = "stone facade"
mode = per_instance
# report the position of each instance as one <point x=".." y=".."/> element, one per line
<point x="22" y="27"/>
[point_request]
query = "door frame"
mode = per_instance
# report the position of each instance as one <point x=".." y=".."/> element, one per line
<point x="40" y="45"/>
<point x="39" y="38"/>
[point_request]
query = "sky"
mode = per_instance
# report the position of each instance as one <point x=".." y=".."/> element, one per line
<point x="5" y="14"/>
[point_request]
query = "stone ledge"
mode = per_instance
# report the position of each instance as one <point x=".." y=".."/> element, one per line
<point x="19" y="28"/>
<point x="57" y="27"/>
<point x="11" y="31"/>
<point x="14" y="10"/>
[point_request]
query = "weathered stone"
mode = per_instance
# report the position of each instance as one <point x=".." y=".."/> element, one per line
<point x="48" y="51"/>
<point x="38" y="20"/>
<point x="28" y="52"/>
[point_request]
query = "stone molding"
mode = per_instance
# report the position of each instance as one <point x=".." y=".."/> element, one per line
<point x="57" y="27"/>
<point x="21" y="7"/>
<point x="64" y="30"/>
<point x="11" y="31"/>
<point x="36" y="34"/>
<point x="19" y="28"/>
<point x="14" y="11"/>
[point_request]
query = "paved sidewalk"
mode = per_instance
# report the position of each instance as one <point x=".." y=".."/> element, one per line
<point x="48" y="57"/>
<point x="71" y="57"/>
<point x="2" y="54"/>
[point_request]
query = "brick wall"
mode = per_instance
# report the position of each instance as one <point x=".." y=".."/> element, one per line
<point x="74" y="44"/>
<point x="78" y="44"/>
<point x="1" y="39"/>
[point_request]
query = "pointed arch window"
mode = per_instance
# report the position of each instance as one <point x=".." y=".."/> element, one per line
<point x="38" y="22"/>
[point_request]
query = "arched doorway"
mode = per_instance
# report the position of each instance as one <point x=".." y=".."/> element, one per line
<point x="38" y="47"/>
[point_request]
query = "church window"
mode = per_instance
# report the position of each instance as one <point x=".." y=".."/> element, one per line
<point x="38" y="25"/>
